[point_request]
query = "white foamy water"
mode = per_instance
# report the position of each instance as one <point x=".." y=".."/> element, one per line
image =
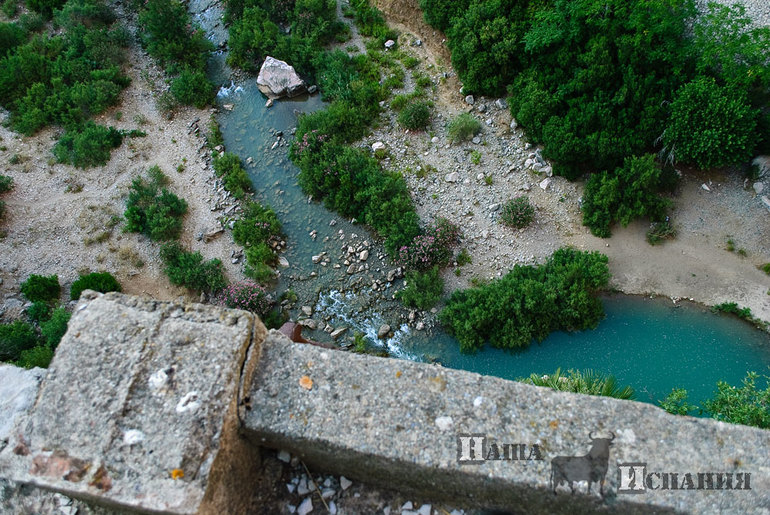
<point x="338" y="305"/>
<point x="233" y="88"/>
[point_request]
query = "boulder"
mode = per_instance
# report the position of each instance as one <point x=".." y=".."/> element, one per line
<point x="383" y="331"/>
<point x="278" y="79"/>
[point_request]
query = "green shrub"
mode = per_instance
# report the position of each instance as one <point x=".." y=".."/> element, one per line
<point x="746" y="405"/>
<point x="463" y="127"/>
<point x="517" y="212"/>
<point x="586" y="382"/>
<point x="676" y="402"/>
<point x="628" y="193"/>
<point x="439" y="13"/>
<point x="235" y="177"/>
<point x="89" y="146"/>
<point x="766" y="268"/>
<point x="11" y="36"/>
<point x="433" y="248"/>
<point x="168" y="35"/>
<point x="711" y="125"/>
<point x="733" y="309"/>
<point x="39" y="356"/>
<point x="6" y="183"/>
<point x="97" y="281"/>
<point x="246" y="295"/>
<point x="193" y="87"/>
<point x="41" y="288"/>
<point x="10" y="8"/>
<point x="188" y="269"/>
<point x="45" y="7"/>
<point x="530" y="302"/>
<point x="660" y="231"/>
<point x="53" y="329"/>
<point x="152" y="210"/>
<point x="39" y="311"/>
<point x="423" y="289"/>
<point x="414" y="116"/>
<point x="15" y="338"/>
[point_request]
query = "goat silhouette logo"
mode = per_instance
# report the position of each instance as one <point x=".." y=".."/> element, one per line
<point x="592" y="467"/>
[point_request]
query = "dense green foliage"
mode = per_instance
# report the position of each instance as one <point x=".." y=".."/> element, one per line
<point x="463" y="127"/>
<point x="431" y="248"/>
<point x="630" y="192"/>
<point x="530" y="302"/>
<point x="97" y="281"/>
<point x="169" y="35"/>
<point x="415" y="115"/>
<point x="229" y="167"/>
<point x="54" y="328"/>
<point x="66" y="78"/>
<point x="41" y="288"/>
<point x="747" y="404"/>
<point x="15" y="338"/>
<point x="587" y="382"/>
<point x="517" y="212"/>
<point x="258" y="231"/>
<point x="246" y="295"/>
<point x="439" y="13"/>
<point x="153" y="210"/>
<point x="38" y="356"/>
<point x="188" y="269"/>
<point x="423" y="289"/>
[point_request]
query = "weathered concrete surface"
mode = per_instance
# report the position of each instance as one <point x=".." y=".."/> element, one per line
<point x="396" y="423"/>
<point x="18" y="390"/>
<point x="139" y="409"/>
<point x="278" y="79"/>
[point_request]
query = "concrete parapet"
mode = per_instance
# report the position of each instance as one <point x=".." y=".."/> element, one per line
<point x="138" y="409"/>
<point x="407" y="425"/>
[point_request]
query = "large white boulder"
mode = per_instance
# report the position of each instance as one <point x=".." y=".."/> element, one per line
<point x="278" y="79"/>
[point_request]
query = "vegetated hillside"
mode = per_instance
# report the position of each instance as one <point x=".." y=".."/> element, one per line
<point x="597" y="83"/>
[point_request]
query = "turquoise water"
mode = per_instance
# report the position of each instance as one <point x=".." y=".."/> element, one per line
<point x="650" y="345"/>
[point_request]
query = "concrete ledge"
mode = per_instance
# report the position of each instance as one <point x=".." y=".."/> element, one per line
<point x="397" y="423"/>
<point x="138" y="410"/>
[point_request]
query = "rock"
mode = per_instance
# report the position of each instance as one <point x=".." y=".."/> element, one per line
<point x="420" y="326"/>
<point x="364" y="255"/>
<point x="705" y="187"/>
<point x="283" y="262"/>
<point x="529" y="163"/>
<point x="312" y="89"/>
<point x="501" y="103"/>
<point x="476" y="140"/>
<point x="269" y="103"/>
<point x="434" y="140"/>
<point x="284" y="456"/>
<point x="211" y="235"/>
<point x="452" y="177"/>
<point x="351" y="269"/>
<point x="417" y="42"/>
<point x="316" y="259"/>
<point x="345" y="483"/>
<point x="378" y="147"/>
<point x="494" y="207"/>
<point x="390" y="44"/>
<point x="278" y="79"/>
<point x="383" y="331"/>
<point x="307" y="311"/>
<point x="526" y="186"/>
<point x="306" y="506"/>
<point x="469" y="100"/>
<point x="481" y="108"/>
<point x="18" y="390"/>
<point x="338" y="332"/>
<point x="444" y="423"/>
<point x="302" y="487"/>
<point x="547" y="170"/>
<point x="758" y="187"/>
<point x="513" y="125"/>
<point x="766" y="201"/>
<point x="228" y="107"/>
<point x="545" y="183"/>
<point x="425" y="509"/>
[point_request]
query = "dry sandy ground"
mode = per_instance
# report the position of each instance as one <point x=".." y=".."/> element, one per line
<point x="58" y="217"/>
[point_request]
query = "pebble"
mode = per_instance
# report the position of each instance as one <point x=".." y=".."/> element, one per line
<point x="758" y="187"/>
<point x="345" y="483"/>
<point x="469" y="100"/>
<point x="306" y="506"/>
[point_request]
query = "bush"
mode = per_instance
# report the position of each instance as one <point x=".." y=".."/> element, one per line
<point x="414" y="116"/>
<point x="463" y="127"/>
<point x="246" y="295"/>
<point x="433" y="248"/>
<point x="586" y="382"/>
<point x="15" y="338"/>
<point x="193" y="87"/>
<point x="517" y="212"/>
<point x="152" y="210"/>
<point x="711" y="125"/>
<point x="168" y="35"/>
<point x="423" y="289"/>
<point x="53" y="329"/>
<point x="97" y="281"/>
<point x="40" y="288"/>
<point x="188" y="269"/>
<point x="6" y="183"/>
<point x="439" y="13"/>
<point x="88" y="146"/>
<point x="628" y="193"/>
<point x="741" y="405"/>
<point x="39" y="312"/>
<point x="676" y="402"/>
<point x="39" y="356"/>
<point x="530" y="302"/>
<point x="236" y="179"/>
<point x="660" y="231"/>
